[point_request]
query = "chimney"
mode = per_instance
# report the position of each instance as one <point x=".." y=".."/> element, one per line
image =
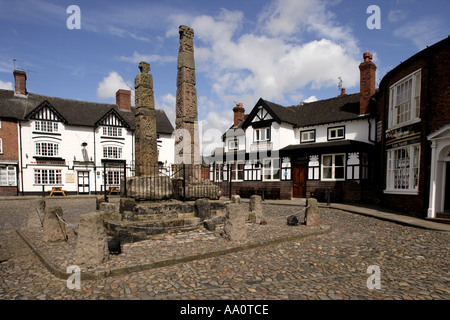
<point x="367" y="83"/>
<point x="238" y="114"/>
<point x="123" y="99"/>
<point x="343" y="92"/>
<point x="20" y="83"/>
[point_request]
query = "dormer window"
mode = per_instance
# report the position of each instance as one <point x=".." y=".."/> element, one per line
<point x="112" y="131"/>
<point x="45" y="126"/>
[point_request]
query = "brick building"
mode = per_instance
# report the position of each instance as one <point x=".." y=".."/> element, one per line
<point x="413" y="103"/>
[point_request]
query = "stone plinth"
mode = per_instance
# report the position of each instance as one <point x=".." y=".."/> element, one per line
<point x="203" y="209"/>
<point x="149" y="188"/>
<point x="235" y="228"/>
<point x="312" y="217"/>
<point x="54" y="228"/>
<point x="92" y="245"/>
<point x="255" y="207"/>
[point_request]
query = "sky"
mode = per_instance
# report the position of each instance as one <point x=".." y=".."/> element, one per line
<point x="284" y="51"/>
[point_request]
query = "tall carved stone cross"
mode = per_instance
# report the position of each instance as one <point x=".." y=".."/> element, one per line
<point x="146" y="149"/>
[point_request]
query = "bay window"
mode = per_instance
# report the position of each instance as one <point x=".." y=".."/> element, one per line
<point x="333" y="167"/>
<point x="403" y="169"/>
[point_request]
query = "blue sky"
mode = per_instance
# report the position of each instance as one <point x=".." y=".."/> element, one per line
<point x="285" y="51"/>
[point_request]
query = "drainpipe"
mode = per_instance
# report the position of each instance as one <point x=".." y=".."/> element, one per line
<point x="95" y="164"/>
<point x="21" y="162"/>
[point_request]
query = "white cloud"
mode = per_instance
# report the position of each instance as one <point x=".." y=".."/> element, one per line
<point x="167" y="104"/>
<point x="108" y="87"/>
<point x="311" y="99"/>
<point x="245" y="67"/>
<point x="397" y="15"/>
<point x="150" y="58"/>
<point x="6" y="85"/>
<point x="423" y="32"/>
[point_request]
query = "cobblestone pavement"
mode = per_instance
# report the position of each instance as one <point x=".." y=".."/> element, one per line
<point x="414" y="264"/>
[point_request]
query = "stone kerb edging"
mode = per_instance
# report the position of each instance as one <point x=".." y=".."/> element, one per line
<point x="89" y="275"/>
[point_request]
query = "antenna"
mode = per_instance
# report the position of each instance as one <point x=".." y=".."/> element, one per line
<point x="21" y="69"/>
<point x="340" y="84"/>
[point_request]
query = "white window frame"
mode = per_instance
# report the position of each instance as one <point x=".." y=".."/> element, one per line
<point x="333" y="167"/>
<point x="261" y="134"/>
<point x="402" y="114"/>
<point x="403" y="172"/>
<point x="46" y="126"/>
<point x="8" y="176"/>
<point x="235" y="169"/>
<point x="1" y="145"/>
<point x="47" y="176"/>
<point x="274" y="171"/>
<point x="112" y="152"/>
<point x="308" y="138"/>
<point x="233" y="144"/>
<point x="109" y="131"/>
<point x="113" y="177"/>
<point x="336" y="129"/>
<point x="46" y="149"/>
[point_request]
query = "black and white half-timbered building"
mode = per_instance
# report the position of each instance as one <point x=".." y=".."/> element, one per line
<point x="66" y="143"/>
<point x="310" y="148"/>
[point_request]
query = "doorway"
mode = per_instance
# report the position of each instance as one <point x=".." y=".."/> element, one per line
<point x="83" y="182"/>
<point x="447" y="187"/>
<point x="299" y="181"/>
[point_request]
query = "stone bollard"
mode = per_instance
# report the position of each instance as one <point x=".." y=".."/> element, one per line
<point x="235" y="199"/>
<point x="312" y="217"/>
<point x="92" y="245"/>
<point x="255" y="207"/>
<point x="234" y="228"/>
<point x="203" y="209"/>
<point x="54" y="228"/>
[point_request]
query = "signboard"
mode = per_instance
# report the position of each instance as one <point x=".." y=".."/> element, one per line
<point x="70" y="178"/>
<point x="261" y="146"/>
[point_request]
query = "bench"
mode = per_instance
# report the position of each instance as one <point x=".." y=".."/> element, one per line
<point x="114" y="190"/>
<point x="57" y="190"/>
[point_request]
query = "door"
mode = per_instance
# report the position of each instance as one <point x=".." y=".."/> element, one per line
<point x="299" y="182"/>
<point x="447" y="187"/>
<point x="83" y="182"/>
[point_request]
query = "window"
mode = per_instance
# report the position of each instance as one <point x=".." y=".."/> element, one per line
<point x="112" y="131"/>
<point x="336" y="133"/>
<point x="308" y="136"/>
<point x="47" y="177"/>
<point x="1" y="146"/>
<point x="8" y="176"/>
<point x="233" y="144"/>
<point x="261" y="134"/>
<point x="46" y="126"/>
<point x="271" y="169"/>
<point x="404" y="103"/>
<point x="237" y="171"/>
<point x="47" y="149"/>
<point x="111" y="152"/>
<point x="403" y="169"/>
<point x="313" y="167"/>
<point x="333" y="167"/>
<point x="113" y="177"/>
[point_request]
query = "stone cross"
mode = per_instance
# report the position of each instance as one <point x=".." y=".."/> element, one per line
<point x="146" y="149"/>
<point x="187" y="146"/>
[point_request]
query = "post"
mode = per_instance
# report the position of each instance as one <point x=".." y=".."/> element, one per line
<point x="229" y="179"/>
<point x="43" y="190"/>
<point x="328" y="196"/>
<point x="104" y="181"/>
<point x="125" y="178"/>
<point x="184" y="182"/>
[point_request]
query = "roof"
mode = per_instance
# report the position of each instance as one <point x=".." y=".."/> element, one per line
<point x="75" y="112"/>
<point x="337" y="109"/>
<point x="327" y="145"/>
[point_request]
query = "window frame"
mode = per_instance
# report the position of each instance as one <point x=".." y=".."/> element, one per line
<point x="337" y="128"/>
<point x="112" y="132"/>
<point x="49" y="127"/>
<point x="110" y="151"/>
<point x="333" y="167"/>
<point x="413" y="174"/>
<point x="234" y="141"/>
<point x="307" y="140"/>
<point x="414" y="100"/>
<point x="39" y="149"/>
<point x="274" y="175"/>
<point x="7" y="174"/>
<point x="257" y="135"/>
<point x="39" y="177"/>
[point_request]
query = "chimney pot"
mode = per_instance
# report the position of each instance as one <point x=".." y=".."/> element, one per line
<point x="238" y="114"/>
<point x="123" y="99"/>
<point x="20" y="83"/>
<point x="343" y="92"/>
<point x="367" y="82"/>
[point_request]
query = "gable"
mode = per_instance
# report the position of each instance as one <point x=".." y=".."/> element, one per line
<point x="45" y="111"/>
<point x="112" y="119"/>
<point x="261" y="114"/>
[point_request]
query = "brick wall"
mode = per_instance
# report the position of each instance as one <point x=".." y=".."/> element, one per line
<point x="272" y="189"/>
<point x="434" y="114"/>
<point x="10" y="144"/>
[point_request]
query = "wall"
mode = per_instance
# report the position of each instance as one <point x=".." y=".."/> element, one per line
<point x="10" y="150"/>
